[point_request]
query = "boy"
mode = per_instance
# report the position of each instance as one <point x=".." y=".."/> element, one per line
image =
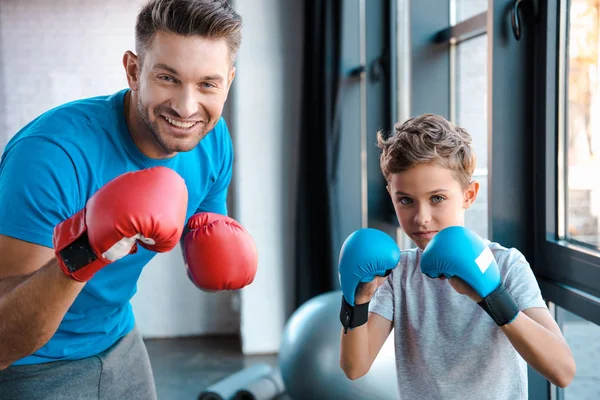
<point x="446" y="346"/>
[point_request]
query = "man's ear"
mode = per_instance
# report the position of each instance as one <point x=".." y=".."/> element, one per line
<point x="231" y="76"/>
<point x="132" y="69"/>
<point x="471" y="194"/>
<point x="230" y="80"/>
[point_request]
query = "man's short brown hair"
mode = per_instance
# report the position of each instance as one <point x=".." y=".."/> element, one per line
<point x="212" y="19"/>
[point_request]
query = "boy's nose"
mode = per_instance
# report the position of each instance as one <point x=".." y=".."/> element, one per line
<point x="422" y="216"/>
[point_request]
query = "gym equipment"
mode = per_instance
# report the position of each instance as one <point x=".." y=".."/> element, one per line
<point x="266" y="388"/>
<point x="257" y="382"/>
<point x="309" y="357"/>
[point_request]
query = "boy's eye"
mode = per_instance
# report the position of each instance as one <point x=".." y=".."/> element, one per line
<point x="405" y="201"/>
<point x="437" y="199"/>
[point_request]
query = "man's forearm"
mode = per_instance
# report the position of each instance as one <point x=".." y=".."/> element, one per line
<point x="8" y="284"/>
<point x="542" y="349"/>
<point x="31" y="308"/>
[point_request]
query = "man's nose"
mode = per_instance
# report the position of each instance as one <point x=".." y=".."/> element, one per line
<point x="186" y="103"/>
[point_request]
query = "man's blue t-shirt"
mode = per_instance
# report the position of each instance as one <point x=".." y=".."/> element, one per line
<point x="50" y="169"/>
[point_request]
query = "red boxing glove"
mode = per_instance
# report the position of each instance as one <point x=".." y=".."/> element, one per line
<point x="220" y="253"/>
<point x="148" y="206"/>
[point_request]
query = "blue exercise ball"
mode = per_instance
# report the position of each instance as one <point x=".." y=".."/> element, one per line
<point x="309" y="357"/>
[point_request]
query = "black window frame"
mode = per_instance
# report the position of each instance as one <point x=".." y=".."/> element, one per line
<point x="568" y="273"/>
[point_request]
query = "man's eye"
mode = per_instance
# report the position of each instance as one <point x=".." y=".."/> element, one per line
<point x="166" y="78"/>
<point x="405" y="201"/>
<point x="208" y="85"/>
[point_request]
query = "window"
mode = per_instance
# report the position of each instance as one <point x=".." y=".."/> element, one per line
<point x="569" y="130"/>
<point x="446" y="73"/>
<point x="582" y="123"/>
<point x="468" y="110"/>
<point x="583" y="338"/>
<point x="468" y="94"/>
<point x="568" y="193"/>
<point x="465" y="9"/>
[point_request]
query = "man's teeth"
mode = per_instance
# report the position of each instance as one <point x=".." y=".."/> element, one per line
<point x="184" y="125"/>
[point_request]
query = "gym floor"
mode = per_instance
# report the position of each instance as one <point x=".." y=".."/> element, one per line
<point x="183" y="367"/>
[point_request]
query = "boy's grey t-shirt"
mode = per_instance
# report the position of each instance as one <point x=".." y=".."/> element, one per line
<point x="447" y="346"/>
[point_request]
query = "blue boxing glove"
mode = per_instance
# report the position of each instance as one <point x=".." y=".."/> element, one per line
<point x="457" y="251"/>
<point x="365" y="254"/>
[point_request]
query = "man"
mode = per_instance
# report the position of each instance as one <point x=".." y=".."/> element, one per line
<point x="92" y="189"/>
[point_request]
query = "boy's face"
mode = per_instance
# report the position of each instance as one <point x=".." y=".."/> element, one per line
<point x="427" y="199"/>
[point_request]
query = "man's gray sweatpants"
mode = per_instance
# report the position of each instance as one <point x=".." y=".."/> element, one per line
<point x="121" y="372"/>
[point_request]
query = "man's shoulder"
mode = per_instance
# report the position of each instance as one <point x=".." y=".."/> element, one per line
<point x="69" y="121"/>
<point x="87" y="110"/>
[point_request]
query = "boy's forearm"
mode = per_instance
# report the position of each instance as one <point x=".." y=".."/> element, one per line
<point x="542" y="350"/>
<point x="31" y="308"/>
<point x="354" y="352"/>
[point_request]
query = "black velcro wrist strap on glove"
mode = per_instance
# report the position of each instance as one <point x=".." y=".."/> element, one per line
<point x="352" y="317"/>
<point x="78" y="254"/>
<point x="500" y="305"/>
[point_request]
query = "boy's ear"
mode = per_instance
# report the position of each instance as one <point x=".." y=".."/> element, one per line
<point x="389" y="190"/>
<point x="471" y="194"/>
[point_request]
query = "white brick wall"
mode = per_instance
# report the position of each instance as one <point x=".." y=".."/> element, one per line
<point x="60" y="50"/>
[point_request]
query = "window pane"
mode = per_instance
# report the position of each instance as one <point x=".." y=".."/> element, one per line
<point x="470" y="111"/>
<point x="583" y="338"/>
<point x="466" y="9"/>
<point x="583" y="123"/>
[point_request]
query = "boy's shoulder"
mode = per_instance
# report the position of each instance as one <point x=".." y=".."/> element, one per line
<point x="499" y="249"/>
<point x="505" y="256"/>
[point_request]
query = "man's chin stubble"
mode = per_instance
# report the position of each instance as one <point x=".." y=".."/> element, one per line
<point x="180" y="147"/>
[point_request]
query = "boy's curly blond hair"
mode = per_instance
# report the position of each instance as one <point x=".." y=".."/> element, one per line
<point x="425" y="139"/>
